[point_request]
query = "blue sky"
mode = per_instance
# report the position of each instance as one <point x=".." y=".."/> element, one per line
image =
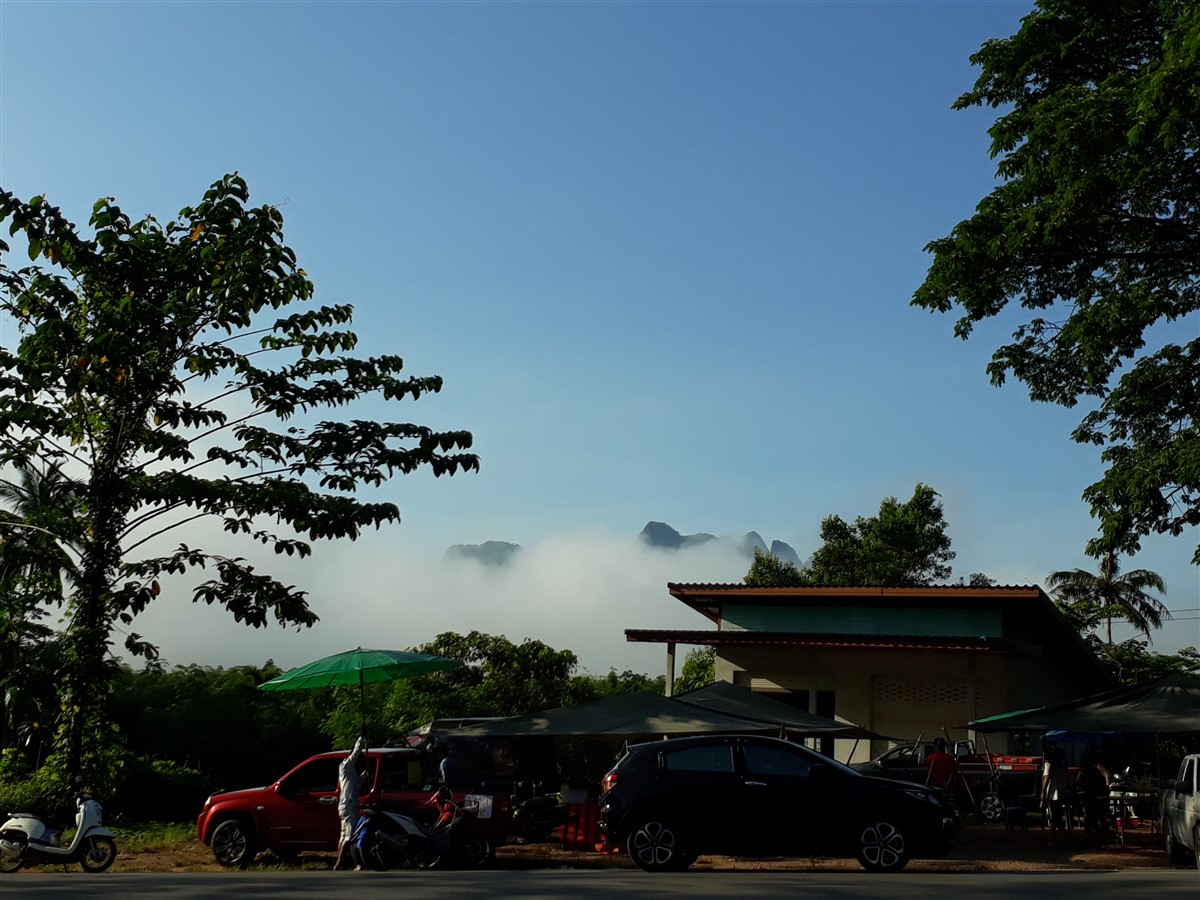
<point x="662" y="254"/>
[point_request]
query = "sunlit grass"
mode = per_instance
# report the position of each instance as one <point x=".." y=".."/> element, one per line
<point x="139" y="837"/>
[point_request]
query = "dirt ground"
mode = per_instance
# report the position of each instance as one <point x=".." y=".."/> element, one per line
<point x="979" y="849"/>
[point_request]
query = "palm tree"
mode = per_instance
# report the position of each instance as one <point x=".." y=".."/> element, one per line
<point x="35" y="559"/>
<point x="36" y="530"/>
<point x="1110" y="595"/>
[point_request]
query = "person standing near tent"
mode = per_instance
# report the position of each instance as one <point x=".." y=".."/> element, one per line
<point x="1093" y="782"/>
<point x="1055" y="783"/>
<point x="349" y="787"/>
<point x="940" y="766"/>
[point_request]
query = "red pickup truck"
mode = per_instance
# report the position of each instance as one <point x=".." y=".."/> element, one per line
<point x="299" y="811"/>
<point x="989" y="781"/>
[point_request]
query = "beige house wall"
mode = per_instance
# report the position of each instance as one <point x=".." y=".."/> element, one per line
<point x="994" y="683"/>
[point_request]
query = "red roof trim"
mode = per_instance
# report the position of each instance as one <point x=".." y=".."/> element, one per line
<point x="807" y="640"/>
<point x="948" y="590"/>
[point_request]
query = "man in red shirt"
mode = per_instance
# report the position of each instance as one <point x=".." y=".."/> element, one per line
<point x="940" y="766"/>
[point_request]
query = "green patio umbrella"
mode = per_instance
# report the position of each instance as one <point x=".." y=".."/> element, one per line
<point x="361" y="667"/>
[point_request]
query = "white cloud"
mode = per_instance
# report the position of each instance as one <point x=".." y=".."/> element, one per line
<point x="575" y="592"/>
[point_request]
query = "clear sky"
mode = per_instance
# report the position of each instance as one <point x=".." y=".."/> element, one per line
<point x="661" y="253"/>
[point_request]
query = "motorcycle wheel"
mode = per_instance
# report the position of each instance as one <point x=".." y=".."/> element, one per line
<point x="473" y="852"/>
<point x="98" y="854"/>
<point x="383" y="856"/>
<point x="11" y="865"/>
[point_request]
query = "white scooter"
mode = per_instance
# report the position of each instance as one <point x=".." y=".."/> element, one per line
<point x="25" y="840"/>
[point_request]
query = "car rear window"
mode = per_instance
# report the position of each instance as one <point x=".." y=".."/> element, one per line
<point x="403" y="772"/>
<point x="712" y="758"/>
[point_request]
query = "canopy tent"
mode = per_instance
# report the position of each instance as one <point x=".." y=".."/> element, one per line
<point x="729" y="699"/>
<point x="625" y="715"/>
<point x="1169" y="705"/>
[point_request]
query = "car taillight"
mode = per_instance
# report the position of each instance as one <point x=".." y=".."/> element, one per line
<point x="609" y="782"/>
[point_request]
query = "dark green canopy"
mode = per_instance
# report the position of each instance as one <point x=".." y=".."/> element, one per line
<point x="732" y="700"/>
<point x="717" y="708"/>
<point x="1169" y="705"/>
<point x="624" y="715"/>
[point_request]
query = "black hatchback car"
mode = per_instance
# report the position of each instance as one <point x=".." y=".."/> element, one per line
<point x="668" y="802"/>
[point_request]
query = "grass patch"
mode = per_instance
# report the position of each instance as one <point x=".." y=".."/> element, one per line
<point x="138" y="837"/>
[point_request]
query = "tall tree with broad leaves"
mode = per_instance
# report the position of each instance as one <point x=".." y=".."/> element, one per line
<point x="1087" y="598"/>
<point x="1094" y="230"/>
<point x="905" y="545"/>
<point x="165" y="368"/>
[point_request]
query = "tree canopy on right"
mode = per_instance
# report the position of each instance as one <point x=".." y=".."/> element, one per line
<point x="1094" y="232"/>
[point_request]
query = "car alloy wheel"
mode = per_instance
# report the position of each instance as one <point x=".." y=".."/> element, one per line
<point x="232" y="845"/>
<point x="655" y="846"/>
<point x="882" y="846"/>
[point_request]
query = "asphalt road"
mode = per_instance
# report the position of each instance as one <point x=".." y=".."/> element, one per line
<point x="1161" y="884"/>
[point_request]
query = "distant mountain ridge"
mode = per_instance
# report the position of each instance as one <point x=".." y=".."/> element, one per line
<point x="663" y="536"/>
<point x="489" y="553"/>
<point x="659" y="535"/>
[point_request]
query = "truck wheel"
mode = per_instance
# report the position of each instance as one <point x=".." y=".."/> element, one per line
<point x="991" y="807"/>
<point x="1176" y="852"/>
<point x="232" y="844"/>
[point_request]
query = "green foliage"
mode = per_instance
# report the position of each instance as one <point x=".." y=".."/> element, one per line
<point x="1133" y="662"/>
<point x="906" y="545"/>
<point x="160" y="789"/>
<point x="500" y="678"/>
<point x="216" y="722"/>
<point x="27" y="794"/>
<point x="770" y="571"/>
<point x="593" y="687"/>
<point x="1095" y="230"/>
<point x="1087" y="598"/>
<point x="164" y="364"/>
<point x="698" y="670"/>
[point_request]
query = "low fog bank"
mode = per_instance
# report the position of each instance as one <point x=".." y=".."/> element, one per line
<point x="576" y="592"/>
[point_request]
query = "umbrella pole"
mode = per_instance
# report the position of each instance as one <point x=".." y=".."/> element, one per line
<point x="362" y="705"/>
<point x="850" y="758"/>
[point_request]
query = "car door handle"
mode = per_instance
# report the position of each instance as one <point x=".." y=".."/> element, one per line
<point x="328" y="800"/>
<point x="755" y="783"/>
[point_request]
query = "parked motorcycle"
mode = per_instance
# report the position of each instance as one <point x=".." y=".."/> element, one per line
<point x="26" y="840"/>
<point x="385" y="839"/>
